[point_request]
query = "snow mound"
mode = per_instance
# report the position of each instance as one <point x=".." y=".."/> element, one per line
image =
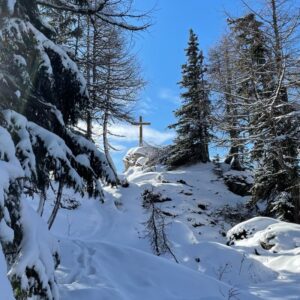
<point x="232" y="266"/>
<point x="115" y="272"/>
<point x="248" y="228"/>
<point x="281" y="236"/>
<point x="229" y="265"/>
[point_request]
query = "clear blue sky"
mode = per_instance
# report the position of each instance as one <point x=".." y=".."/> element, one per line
<point x="161" y="53"/>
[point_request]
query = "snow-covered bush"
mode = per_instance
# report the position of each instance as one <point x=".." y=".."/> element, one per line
<point x="6" y="288"/>
<point x="32" y="272"/>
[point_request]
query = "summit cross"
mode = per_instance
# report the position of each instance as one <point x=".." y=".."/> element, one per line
<point x="141" y="124"/>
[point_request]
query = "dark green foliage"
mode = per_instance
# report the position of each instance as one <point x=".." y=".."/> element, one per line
<point x="191" y="143"/>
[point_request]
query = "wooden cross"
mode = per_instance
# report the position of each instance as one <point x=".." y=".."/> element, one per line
<point x="141" y="124"/>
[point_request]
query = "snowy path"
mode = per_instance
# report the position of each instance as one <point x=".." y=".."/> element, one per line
<point x="106" y="271"/>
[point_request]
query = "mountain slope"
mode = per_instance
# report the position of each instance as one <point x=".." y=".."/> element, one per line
<point x="105" y="253"/>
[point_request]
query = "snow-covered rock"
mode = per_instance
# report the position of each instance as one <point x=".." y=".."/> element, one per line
<point x="268" y="233"/>
<point x="140" y="156"/>
<point x="248" y="228"/>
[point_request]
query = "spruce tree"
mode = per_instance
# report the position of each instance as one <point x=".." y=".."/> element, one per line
<point x="192" y="127"/>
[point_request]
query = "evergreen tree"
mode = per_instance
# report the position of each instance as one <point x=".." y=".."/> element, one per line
<point x="42" y="95"/>
<point x="192" y="128"/>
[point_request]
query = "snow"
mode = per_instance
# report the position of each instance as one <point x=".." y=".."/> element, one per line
<point x="261" y="230"/>
<point x="107" y="258"/>
<point x="105" y="253"/>
<point x="250" y="227"/>
<point x="83" y="160"/>
<point x="277" y="246"/>
<point x="284" y="236"/>
<point x="6" y="289"/>
<point x="11" y="6"/>
<point x="38" y="248"/>
<point x="6" y="233"/>
<point x="16" y="28"/>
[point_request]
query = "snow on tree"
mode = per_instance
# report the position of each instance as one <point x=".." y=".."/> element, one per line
<point x="262" y="84"/>
<point x="273" y="124"/>
<point x="29" y="249"/>
<point x="42" y="95"/>
<point x="191" y="143"/>
<point x="111" y="70"/>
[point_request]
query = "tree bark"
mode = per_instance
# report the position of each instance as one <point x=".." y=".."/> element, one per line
<point x="57" y="203"/>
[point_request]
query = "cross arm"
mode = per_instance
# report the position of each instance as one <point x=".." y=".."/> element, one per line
<point x="141" y="123"/>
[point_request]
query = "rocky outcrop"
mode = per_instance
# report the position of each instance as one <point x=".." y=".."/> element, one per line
<point x="239" y="182"/>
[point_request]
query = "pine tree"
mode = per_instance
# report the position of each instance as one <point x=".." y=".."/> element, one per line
<point x="192" y="127"/>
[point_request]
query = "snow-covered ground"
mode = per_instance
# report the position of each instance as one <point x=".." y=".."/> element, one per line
<point x="105" y="253"/>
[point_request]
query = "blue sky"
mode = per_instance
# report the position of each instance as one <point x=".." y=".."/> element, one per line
<point x="161" y="54"/>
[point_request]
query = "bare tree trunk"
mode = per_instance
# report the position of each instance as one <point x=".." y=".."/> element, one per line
<point x="57" y="203"/>
<point x="88" y="78"/>
<point x="278" y="54"/>
<point x="233" y="156"/>
<point x="42" y="201"/>
<point x="106" y="146"/>
<point x="77" y="37"/>
<point x="295" y="193"/>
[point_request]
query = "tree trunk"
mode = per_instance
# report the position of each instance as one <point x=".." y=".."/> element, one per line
<point x="295" y="193"/>
<point x="42" y="201"/>
<point x="106" y="147"/>
<point x="57" y="203"/>
<point x="88" y="79"/>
